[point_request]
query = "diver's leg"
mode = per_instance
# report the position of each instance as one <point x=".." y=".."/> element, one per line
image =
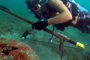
<point x="83" y="23"/>
<point x="86" y="18"/>
<point x="87" y="21"/>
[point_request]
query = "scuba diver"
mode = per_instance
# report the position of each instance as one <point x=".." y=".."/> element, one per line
<point x="60" y="13"/>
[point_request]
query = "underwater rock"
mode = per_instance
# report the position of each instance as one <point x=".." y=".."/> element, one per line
<point x="16" y="50"/>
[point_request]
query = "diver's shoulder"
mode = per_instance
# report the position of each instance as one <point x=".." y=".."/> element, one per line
<point x="54" y="2"/>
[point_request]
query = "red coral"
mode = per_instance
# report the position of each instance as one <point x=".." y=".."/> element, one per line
<point x="17" y="50"/>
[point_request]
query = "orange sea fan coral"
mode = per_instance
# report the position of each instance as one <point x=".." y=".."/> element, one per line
<point x="16" y="50"/>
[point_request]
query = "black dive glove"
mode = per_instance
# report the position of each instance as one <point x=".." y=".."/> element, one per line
<point x="40" y="24"/>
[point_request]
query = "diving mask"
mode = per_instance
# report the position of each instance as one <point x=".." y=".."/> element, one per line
<point x="31" y="5"/>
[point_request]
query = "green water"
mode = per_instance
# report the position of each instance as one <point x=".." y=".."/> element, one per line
<point x="84" y="3"/>
<point x="12" y="28"/>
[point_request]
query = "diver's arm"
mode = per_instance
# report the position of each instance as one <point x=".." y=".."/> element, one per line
<point x="64" y="15"/>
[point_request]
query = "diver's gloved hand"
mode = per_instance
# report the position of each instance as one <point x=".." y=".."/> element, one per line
<point x="40" y="24"/>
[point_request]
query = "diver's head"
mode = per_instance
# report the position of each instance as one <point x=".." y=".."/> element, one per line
<point x="34" y="3"/>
